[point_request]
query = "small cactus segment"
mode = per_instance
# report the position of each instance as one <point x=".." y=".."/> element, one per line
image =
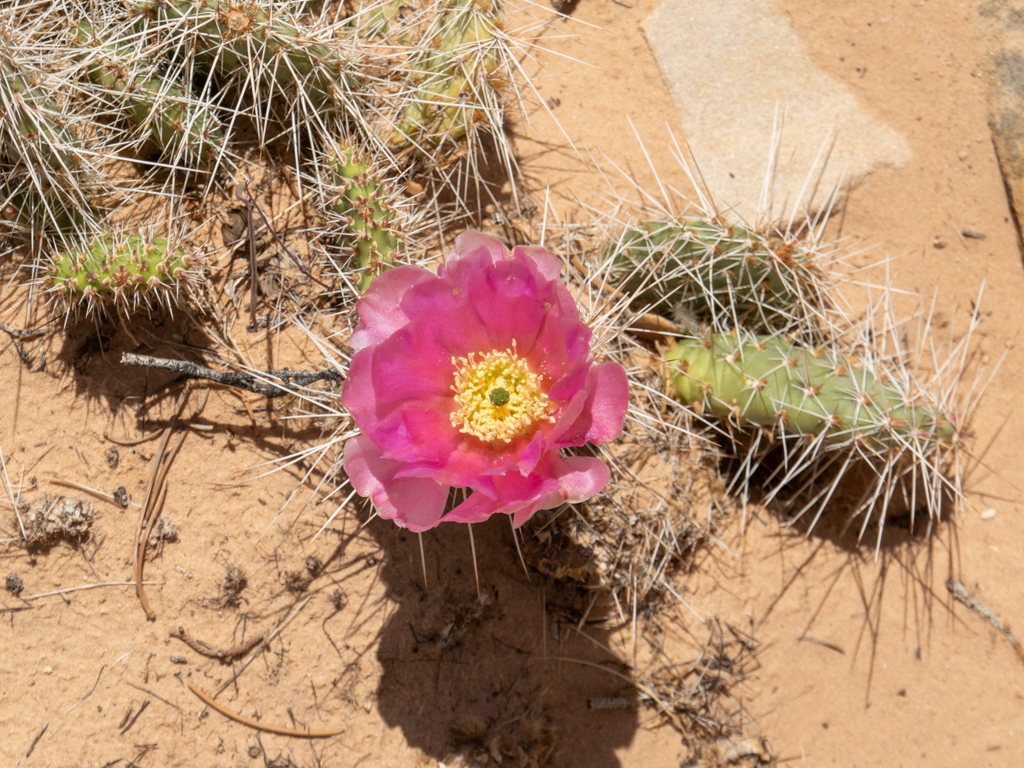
<point x="29" y="107"/>
<point x="769" y="382"/>
<point x="358" y="196"/>
<point x="43" y="183"/>
<point x="266" y="49"/>
<point x="719" y="273"/>
<point x="454" y="83"/>
<point x="125" y="270"/>
<point x="172" y="119"/>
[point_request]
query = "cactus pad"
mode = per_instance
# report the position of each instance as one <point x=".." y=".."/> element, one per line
<point x="719" y="274"/>
<point x="453" y="83"/>
<point x="825" y="417"/>
<point x="124" y="270"/>
<point x="174" y="122"/>
<point x="268" y="51"/>
<point x="366" y="208"/>
<point x="769" y="382"/>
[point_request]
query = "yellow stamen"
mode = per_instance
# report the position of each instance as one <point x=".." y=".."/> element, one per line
<point x="476" y="380"/>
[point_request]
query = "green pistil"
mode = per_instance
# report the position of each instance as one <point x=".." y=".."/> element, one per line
<point x="499" y="396"/>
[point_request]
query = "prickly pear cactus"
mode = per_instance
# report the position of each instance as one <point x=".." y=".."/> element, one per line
<point x="265" y="49"/>
<point x="175" y="122"/>
<point x="719" y="274"/>
<point x="42" y="183"/>
<point x="367" y="210"/>
<point x="769" y="382"/>
<point x="454" y="82"/>
<point x="124" y="270"/>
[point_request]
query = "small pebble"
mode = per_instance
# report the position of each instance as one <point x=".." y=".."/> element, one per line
<point x="48" y="671"/>
<point x="988" y="514"/>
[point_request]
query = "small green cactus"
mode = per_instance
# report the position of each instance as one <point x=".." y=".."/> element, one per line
<point x="124" y="270"/>
<point x="366" y="207"/>
<point x="453" y="82"/>
<point x="717" y="273"/>
<point x="175" y="123"/>
<point x="769" y="382"/>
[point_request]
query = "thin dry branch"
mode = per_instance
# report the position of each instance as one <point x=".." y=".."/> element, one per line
<point x="250" y="382"/>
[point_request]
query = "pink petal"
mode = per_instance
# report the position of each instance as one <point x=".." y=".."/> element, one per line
<point x="455" y="324"/>
<point x="413" y="503"/>
<point x="559" y="481"/>
<point x="603" y="412"/>
<point x="549" y="265"/>
<point x="581" y="477"/>
<point x="380" y="312"/>
<point x="358" y="394"/>
<point x="510" y="304"/>
<point x="474" y="246"/>
<point x="410" y="364"/>
<point x="561" y="344"/>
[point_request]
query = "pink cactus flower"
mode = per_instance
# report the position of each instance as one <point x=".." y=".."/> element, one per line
<point x="476" y="378"/>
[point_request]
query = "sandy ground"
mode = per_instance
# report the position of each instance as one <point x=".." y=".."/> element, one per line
<point x="864" y="662"/>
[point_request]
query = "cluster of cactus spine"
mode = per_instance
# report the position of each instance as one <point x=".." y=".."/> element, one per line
<point x="454" y="83"/>
<point x="43" y="185"/>
<point x="357" y="195"/>
<point x="770" y="382"/>
<point x="382" y="20"/>
<point x="125" y="270"/>
<point x="271" y="49"/>
<point x="719" y="274"/>
<point x="174" y="121"/>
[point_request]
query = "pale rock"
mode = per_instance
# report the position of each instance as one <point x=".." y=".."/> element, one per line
<point x="738" y="72"/>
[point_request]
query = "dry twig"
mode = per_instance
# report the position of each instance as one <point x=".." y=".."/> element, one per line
<point x="261" y="726"/>
<point x="250" y="382"/>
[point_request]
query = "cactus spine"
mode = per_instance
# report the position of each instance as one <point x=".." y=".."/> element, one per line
<point x="719" y="274"/>
<point x="770" y="382"/>
<point x="161" y="106"/>
<point x="454" y="82"/>
<point x="123" y="269"/>
<point x="366" y="208"/>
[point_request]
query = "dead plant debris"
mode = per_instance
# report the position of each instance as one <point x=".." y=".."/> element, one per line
<point x="55" y="517"/>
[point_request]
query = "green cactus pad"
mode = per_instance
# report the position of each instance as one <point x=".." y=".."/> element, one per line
<point x="718" y="272"/>
<point x="274" y="50"/>
<point x="454" y="81"/>
<point x="41" y="168"/>
<point x="769" y="382"/>
<point x="126" y="269"/>
<point x="175" y="123"/>
<point x="36" y="117"/>
<point x="358" y="196"/>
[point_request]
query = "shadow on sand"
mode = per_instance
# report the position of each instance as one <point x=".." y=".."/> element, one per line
<point x="505" y="675"/>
